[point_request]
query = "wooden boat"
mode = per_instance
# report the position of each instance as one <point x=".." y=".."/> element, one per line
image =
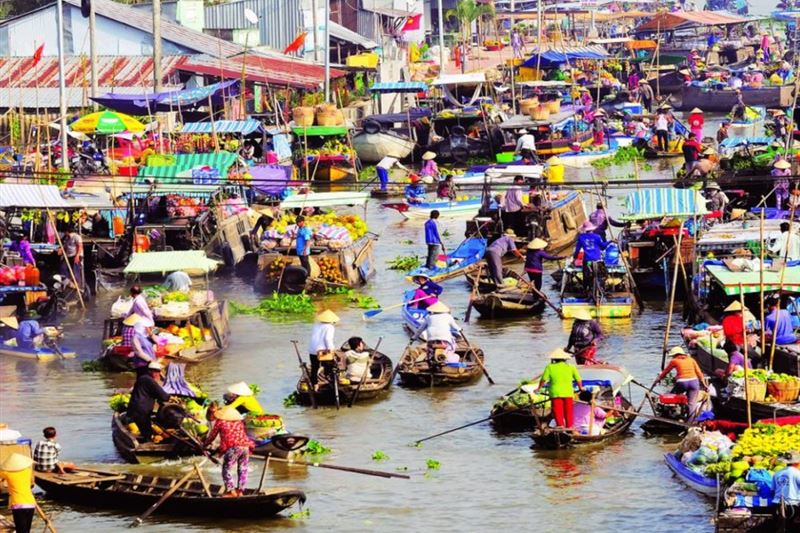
<point x="735" y="409"/>
<point x="750" y="125"/>
<point x="415" y="370"/>
<point x="609" y="298"/>
<point x="694" y="480"/>
<point x="414" y="317"/>
<point x="212" y="316"/>
<point x="508" y="302"/>
<point x="462" y="260"/>
<point x="513" y="413"/>
<point x="43" y="353"/>
<point x="379" y="380"/>
<point x="501" y="173"/>
<point x="723" y="100"/>
<point x="549" y="133"/>
<point x="133" y="451"/>
<point x="584" y="159"/>
<point x="551" y="438"/>
<point x="128" y="491"/>
<point x="372" y="147"/>
<point x="467" y="207"/>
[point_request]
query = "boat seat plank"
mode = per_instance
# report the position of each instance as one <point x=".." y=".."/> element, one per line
<point x="64" y="480"/>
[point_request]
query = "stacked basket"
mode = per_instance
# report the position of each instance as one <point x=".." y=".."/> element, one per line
<point x="784" y="391"/>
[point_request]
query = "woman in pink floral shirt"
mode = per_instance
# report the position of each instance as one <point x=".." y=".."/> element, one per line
<point x="235" y="448"/>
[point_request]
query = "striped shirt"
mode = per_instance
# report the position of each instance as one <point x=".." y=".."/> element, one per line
<point x="45" y="455"/>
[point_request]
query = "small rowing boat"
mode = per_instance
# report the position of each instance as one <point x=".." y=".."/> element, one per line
<point x="695" y="480"/>
<point x="508" y="302"/>
<point x="609" y="296"/>
<point x="461" y="261"/>
<point x="416" y="370"/>
<point x="414" y="317"/>
<point x="553" y="438"/>
<point x="129" y="491"/>
<point x="498" y="174"/>
<point x="379" y="380"/>
<point x="43" y="353"/>
<point x="467" y="207"/>
<point x="750" y="125"/>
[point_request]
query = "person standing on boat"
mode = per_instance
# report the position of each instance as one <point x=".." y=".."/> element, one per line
<point x="303" y="240"/>
<point x="599" y="128"/>
<point x="696" y="122"/>
<point x="438" y="328"/>
<point x="427" y="293"/>
<point x="513" y="213"/>
<point x="647" y="95"/>
<point x="17" y="472"/>
<point x="765" y="47"/>
<point x="733" y="324"/>
<point x="235" y="447"/>
<point x="691" y="152"/>
<point x="240" y="397"/>
<point x="737" y="112"/>
<point x="662" y="130"/>
<point x="526" y="146"/>
<point x="787" y="484"/>
<point x="591" y="245"/>
<point x="688" y="376"/>
<point x="433" y="240"/>
<point x="787" y="240"/>
<point x="73" y="255"/>
<point x="534" y="258"/>
<point x="780" y="125"/>
<point x="384" y="166"/>
<point x="140" y="307"/>
<point x="722" y="132"/>
<point x="584" y="336"/>
<point x="784" y="332"/>
<point x="781" y="169"/>
<point x="560" y="376"/>
<point x="495" y="252"/>
<point x="430" y="170"/>
<point x="322" y="346"/>
<point x="146" y="391"/>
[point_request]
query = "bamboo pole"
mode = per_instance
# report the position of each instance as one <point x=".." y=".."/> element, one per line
<point x="672" y="297"/>
<point x="780" y="288"/>
<point x="761" y="281"/>
<point x="78" y="288"/>
<point x="746" y="360"/>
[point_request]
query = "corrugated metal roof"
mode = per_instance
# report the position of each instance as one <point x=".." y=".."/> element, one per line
<point x="47" y="97"/>
<point x="388" y="11"/>
<point x="279" y="20"/>
<point x="25" y="195"/>
<point x="344" y="34"/>
<point x="262" y="69"/>
<point x="112" y="71"/>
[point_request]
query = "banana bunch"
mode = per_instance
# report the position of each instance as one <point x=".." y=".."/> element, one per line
<point x="768" y="440"/>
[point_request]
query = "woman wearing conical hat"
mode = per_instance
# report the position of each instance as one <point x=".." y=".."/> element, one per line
<point x="322" y="341"/>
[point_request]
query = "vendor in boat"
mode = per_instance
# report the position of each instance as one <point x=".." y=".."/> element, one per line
<point x="430" y="169"/>
<point x="357" y="358"/>
<point x="778" y="323"/>
<point x="733" y="324"/>
<point x="140" y="306"/>
<point x="781" y="170"/>
<point x="722" y="132"/>
<point x="415" y="191"/>
<point x="738" y="110"/>
<point x="696" y="122"/>
<point x="787" y="484"/>
<point x="780" y="125"/>
<point x="688" y="376"/>
<point x="178" y="281"/>
<point x="303" y="240"/>
<point x="589" y="419"/>
<point x="704" y="167"/>
<point x="146" y="391"/>
<point x="438" y="328"/>
<point x="495" y="252"/>
<point x="662" y="129"/>
<point x="322" y="346"/>
<point x="583" y="337"/>
<point x="513" y="212"/>
<point x="534" y="259"/>
<point x="526" y="146"/>
<point x="717" y="200"/>
<point x="235" y="447"/>
<point x="240" y="397"/>
<point x="591" y="245"/>
<point x="691" y="152"/>
<point x="560" y="376"/>
<point x="447" y="189"/>
<point x="384" y="166"/>
<point x="786" y="245"/>
<point x="736" y="360"/>
<point x="433" y="240"/>
<point x="137" y="331"/>
<point x="647" y="95"/>
<point x="17" y="472"/>
<point x="599" y="126"/>
<point x="30" y="334"/>
<point x="20" y="245"/>
<point x="427" y="293"/>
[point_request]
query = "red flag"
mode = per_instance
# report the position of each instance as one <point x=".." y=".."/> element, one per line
<point x="412" y="23"/>
<point x="295" y="45"/>
<point x="37" y="55"/>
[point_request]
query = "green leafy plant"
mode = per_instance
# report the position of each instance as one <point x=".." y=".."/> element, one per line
<point x="446" y="233"/>
<point x="405" y="263"/>
<point x="93" y="365"/>
<point x="379" y="456"/>
<point x="299" y="515"/>
<point x="432" y="464"/>
<point x="626" y="154"/>
<point x="315" y="447"/>
<point x="291" y="400"/>
<point x="296" y="304"/>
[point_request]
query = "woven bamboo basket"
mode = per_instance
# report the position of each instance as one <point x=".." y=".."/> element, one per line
<point x="540" y="112"/>
<point x="784" y="391"/>
<point x="554" y="106"/>
<point x="756" y="389"/>
<point x="303" y="116"/>
<point x="526" y="104"/>
<point x="327" y="117"/>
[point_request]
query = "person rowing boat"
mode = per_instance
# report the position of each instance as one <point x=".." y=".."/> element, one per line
<point x="427" y="293"/>
<point x="438" y="328"/>
<point x="322" y="349"/>
<point x="583" y="338"/>
<point x="559" y="375"/>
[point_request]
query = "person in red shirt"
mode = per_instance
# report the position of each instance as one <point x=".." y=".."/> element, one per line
<point x="691" y="152"/>
<point x="732" y="324"/>
<point x="235" y="447"/>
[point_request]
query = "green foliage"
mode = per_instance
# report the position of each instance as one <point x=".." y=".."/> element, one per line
<point x="296" y="304"/>
<point x="291" y="400"/>
<point x="315" y="447"/>
<point x="93" y="365"/>
<point x="432" y="464"/>
<point x="305" y="513"/>
<point x="405" y="263"/>
<point x="364" y="302"/>
<point x="624" y="155"/>
<point x="379" y="456"/>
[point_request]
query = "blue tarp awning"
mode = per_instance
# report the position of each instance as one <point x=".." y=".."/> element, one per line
<point x="390" y="118"/>
<point x="556" y="56"/>
<point x="662" y="202"/>
<point x="399" y="87"/>
<point x="141" y="104"/>
<point x="242" y="127"/>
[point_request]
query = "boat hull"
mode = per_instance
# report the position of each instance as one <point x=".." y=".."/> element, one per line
<point x="604" y="310"/>
<point x="702" y="484"/>
<point x="43" y="354"/>
<point x="509" y="304"/>
<point x="372" y="147"/>
<point x="724" y="100"/>
<point x="370" y="390"/>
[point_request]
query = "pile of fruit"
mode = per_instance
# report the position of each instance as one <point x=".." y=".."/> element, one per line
<point x="12" y="275"/>
<point x="275" y="268"/>
<point x="332" y="147"/>
<point x="354" y="224"/>
<point x="330" y="269"/>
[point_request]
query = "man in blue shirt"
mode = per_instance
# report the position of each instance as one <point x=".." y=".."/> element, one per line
<point x="303" y="240"/>
<point x="787" y="481"/>
<point x="29" y="334"/>
<point x="592" y="246"/>
<point x="784" y="333"/>
<point x="432" y="239"/>
<point x="415" y="191"/>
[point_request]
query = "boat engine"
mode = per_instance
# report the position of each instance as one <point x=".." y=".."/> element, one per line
<point x="672" y="406"/>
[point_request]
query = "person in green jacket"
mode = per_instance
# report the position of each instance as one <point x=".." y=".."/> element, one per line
<point x="560" y="375"/>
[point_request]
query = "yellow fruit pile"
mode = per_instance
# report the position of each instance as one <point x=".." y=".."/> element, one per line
<point x="768" y="440"/>
<point x="276" y="267"/>
<point x="330" y="270"/>
<point x="354" y="224"/>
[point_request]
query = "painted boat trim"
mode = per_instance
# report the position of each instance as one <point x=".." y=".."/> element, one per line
<point x="702" y="484"/>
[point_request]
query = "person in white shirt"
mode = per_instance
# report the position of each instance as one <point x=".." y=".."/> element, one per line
<point x="383" y="167"/>
<point x="357" y="358"/>
<point x="786" y="239"/>
<point x="322" y="342"/>
<point x="438" y="328"/>
<point x="662" y="130"/>
<point x="513" y="205"/>
<point x="526" y="145"/>
<point x="178" y="281"/>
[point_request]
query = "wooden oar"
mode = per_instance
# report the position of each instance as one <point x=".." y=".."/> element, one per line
<point x="378" y="473"/>
<point x="47" y="523"/>
<point x="540" y="294"/>
<point x="397" y="366"/>
<point x="374" y="312"/>
<point x="490" y="417"/>
<point x="475" y="284"/>
<point x="152" y="509"/>
<point x="477" y="358"/>
<point x="637" y="413"/>
<point x="307" y="375"/>
<point x="366" y="372"/>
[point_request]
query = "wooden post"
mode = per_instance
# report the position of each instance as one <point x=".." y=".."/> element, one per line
<point x="761" y="281"/>
<point x="156" y="46"/>
<point x="672" y="296"/>
<point x="746" y="360"/>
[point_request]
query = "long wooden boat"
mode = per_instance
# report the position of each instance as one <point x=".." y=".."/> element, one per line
<point x="371" y="147"/>
<point x="213" y="316"/>
<point x="505" y="303"/>
<point x="134" y="451"/>
<point x="500" y="173"/>
<point x="372" y="388"/>
<point x="447" y="208"/>
<point x="513" y="411"/>
<point x="415" y="370"/>
<point x="128" y="491"/>
<point x="694" y="480"/>
<point x="614" y="301"/>
<point x="551" y="438"/>
<point x="770" y="96"/>
<point x="463" y="260"/>
<point x="735" y="409"/>
<point x="43" y="353"/>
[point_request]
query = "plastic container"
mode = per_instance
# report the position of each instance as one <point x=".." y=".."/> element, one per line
<point x="505" y="157"/>
<point x="555" y="170"/>
<point x="141" y="243"/>
<point x="118" y="225"/>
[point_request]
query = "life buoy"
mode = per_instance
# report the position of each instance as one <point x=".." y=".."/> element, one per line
<point x="568" y="221"/>
<point x="371" y="126"/>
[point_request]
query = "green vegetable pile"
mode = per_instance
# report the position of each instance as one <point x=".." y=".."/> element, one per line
<point x="315" y="447"/>
<point x="364" y="302"/>
<point x="119" y="402"/>
<point x="626" y="154"/>
<point x="379" y="456"/>
<point x="175" y="296"/>
<point x="296" y="304"/>
<point x="405" y="263"/>
<point x="291" y="400"/>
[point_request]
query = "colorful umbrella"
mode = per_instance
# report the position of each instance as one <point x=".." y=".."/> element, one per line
<point x="106" y="122"/>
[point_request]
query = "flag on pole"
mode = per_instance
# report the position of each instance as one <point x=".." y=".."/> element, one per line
<point x="412" y="23"/>
<point x="295" y="45"/>
<point x="37" y="55"/>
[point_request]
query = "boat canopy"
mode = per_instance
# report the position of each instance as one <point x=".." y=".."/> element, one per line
<point x="751" y="280"/>
<point x="555" y="56"/>
<point x="242" y="127"/>
<point x="399" y="87"/>
<point x="163" y="262"/>
<point x="168" y="101"/>
<point x="688" y="19"/>
<point x="172" y="166"/>
<point x="325" y="199"/>
<point x="27" y="195"/>
<point x="460" y="79"/>
<point x="320" y="131"/>
<point x="664" y="202"/>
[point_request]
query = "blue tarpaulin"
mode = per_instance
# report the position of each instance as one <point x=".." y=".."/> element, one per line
<point x="138" y="104"/>
<point x="556" y="56"/>
<point x="241" y="127"/>
<point x="399" y="87"/>
<point x="662" y="202"/>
